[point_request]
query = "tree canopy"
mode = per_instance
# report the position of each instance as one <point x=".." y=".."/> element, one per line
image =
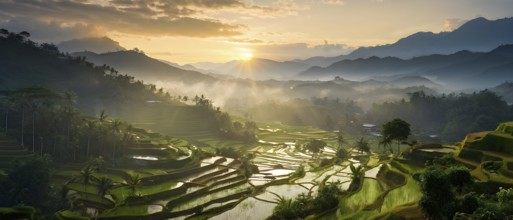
<point x="396" y="129"/>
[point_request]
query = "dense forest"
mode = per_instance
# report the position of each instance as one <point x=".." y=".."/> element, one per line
<point x="450" y="116"/>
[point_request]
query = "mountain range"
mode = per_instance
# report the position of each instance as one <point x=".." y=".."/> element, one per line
<point x="139" y="65"/>
<point x="256" y="68"/>
<point x="476" y="35"/>
<point x="96" y="45"/>
<point x="485" y="68"/>
<point x="469" y="54"/>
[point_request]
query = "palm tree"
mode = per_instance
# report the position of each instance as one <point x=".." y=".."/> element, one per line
<point x="103" y="116"/>
<point x="32" y="98"/>
<point x="356" y="176"/>
<point x="21" y="100"/>
<point x="363" y="146"/>
<point x="6" y="102"/>
<point x="116" y="125"/>
<point x="104" y="186"/>
<point x="340" y="140"/>
<point x="90" y="128"/>
<point x="69" y="99"/>
<point x="86" y="176"/>
<point x="133" y="183"/>
<point x="115" y="128"/>
<point x="286" y="208"/>
<point x="34" y="107"/>
<point x="386" y="142"/>
<point x="24" y="35"/>
<point x="102" y="119"/>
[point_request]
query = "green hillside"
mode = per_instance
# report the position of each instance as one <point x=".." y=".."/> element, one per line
<point x="189" y="122"/>
<point x="24" y="63"/>
<point x="500" y="140"/>
<point x="11" y="152"/>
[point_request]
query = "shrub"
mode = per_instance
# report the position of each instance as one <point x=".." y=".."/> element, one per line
<point x="469" y="203"/>
<point x="325" y="162"/>
<point x="228" y="152"/>
<point x="327" y="197"/>
<point x="342" y="153"/>
<point x="300" y="171"/>
<point x="492" y="166"/>
<point x="505" y="196"/>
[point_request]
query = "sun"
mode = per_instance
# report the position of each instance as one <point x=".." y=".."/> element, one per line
<point x="247" y="56"/>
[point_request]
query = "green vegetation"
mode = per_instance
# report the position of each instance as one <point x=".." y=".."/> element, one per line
<point x="363" y="146"/>
<point x="326" y="113"/>
<point x="304" y="205"/>
<point x="369" y="192"/>
<point x="315" y="146"/>
<point x="396" y="129"/>
<point x="449" y="192"/>
<point x="455" y="115"/>
<point x="500" y="140"/>
<point x="205" y="163"/>
<point x="29" y="183"/>
<point x="19" y="212"/>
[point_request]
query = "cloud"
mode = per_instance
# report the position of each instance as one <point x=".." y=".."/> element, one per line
<point x="245" y="41"/>
<point x="53" y="32"/>
<point x="334" y="2"/>
<point x="453" y="23"/>
<point x="169" y="54"/>
<point x="342" y="2"/>
<point x="189" y="18"/>
<point x="300" y="50"/>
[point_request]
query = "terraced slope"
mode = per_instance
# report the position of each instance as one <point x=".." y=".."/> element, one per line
<point x="187" y="122"/>
<point x="171" y="178"/>
<point x="11" y="151"/>
<point x="490" y="154"/>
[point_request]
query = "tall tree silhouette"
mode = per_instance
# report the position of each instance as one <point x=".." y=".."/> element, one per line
<point x="396" y="129"/>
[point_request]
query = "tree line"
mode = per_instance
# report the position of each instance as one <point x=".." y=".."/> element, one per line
<point x="26" y="63"/>
<point x="227" y="128"/>
<point x="47" y="122"/>
<point x="451" y="116"/>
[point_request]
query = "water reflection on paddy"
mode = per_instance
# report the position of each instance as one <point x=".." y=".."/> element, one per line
<point x="288" y="190"/>
<point x="278" y="172"/>
<point x="372" y="173"/>
<point x="145" y="158"/>
<point x="249" y="209"/>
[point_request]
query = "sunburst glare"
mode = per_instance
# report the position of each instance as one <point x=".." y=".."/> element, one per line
<point x="247" y="56"/>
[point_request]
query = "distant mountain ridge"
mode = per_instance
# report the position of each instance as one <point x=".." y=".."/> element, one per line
<point x="505" y="90"/>
<point x="96" y="45"/>
<point x="143" y="67"/>
<point x="488" y="68"/>
<point x="256" y="68"/>
<point x="431" y="49"/>
<point x="477" y="35"/>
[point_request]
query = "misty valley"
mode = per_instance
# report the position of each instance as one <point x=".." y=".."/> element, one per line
<point x="417" y="129"/>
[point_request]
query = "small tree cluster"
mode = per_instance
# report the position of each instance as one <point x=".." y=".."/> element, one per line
<point x="304" y="205"/>
<point x="445" y="191"/>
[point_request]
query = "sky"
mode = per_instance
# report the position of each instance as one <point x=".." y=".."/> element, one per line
<point x="188" y="31"/>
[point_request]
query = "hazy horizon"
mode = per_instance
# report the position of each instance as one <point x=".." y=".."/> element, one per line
<point x="220" y="31"/>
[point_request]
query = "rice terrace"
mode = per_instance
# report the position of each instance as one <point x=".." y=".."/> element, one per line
<point x="253" y="110"/>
